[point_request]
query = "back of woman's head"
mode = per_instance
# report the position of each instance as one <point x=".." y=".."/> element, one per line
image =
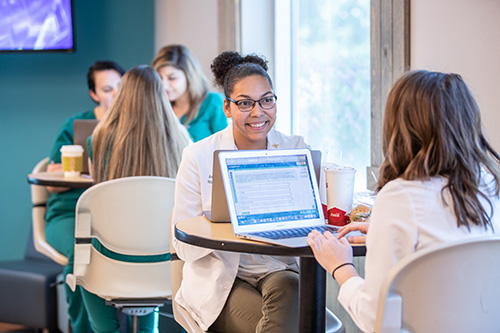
<point x="139" y="135"/>
<point x="432" y="127"/>
<point x="230" y="67"/>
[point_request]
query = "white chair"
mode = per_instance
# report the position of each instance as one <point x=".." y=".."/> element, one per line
<point x="449" y="288"/>
<point x="39" y="196"/>
<point x="129" y="216"/>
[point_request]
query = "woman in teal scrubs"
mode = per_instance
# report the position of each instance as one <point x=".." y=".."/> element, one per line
<point x="197" y="108"/>
<point x="103" y="79"/>
<point x="139" y="136"/>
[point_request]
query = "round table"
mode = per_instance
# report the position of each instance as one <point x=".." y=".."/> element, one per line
<point x="201" y="232"/>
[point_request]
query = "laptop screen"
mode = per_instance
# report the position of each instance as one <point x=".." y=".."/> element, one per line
<point x="271" y="189"/>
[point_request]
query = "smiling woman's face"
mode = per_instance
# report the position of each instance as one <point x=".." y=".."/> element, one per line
<point x="250" y="128"/>
<point x="175" y="82"/>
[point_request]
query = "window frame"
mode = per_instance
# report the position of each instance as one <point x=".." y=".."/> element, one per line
<point x="390" y="58"/>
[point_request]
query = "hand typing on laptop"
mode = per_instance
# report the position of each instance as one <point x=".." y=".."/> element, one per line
<point x="360" y="229"/>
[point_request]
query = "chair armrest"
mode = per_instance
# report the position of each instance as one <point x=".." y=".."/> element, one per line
<point x="39" y="240"/>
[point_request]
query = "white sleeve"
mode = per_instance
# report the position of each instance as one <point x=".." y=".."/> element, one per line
<point x="392" y="236"/>
<point x="188" y="204"/>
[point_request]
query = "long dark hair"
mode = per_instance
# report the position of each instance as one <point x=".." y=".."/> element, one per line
<point x="432" y="127"/>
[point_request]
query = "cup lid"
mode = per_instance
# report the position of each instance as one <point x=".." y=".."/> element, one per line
<point x="340" y="169"/>
<point x="71" y="149"/>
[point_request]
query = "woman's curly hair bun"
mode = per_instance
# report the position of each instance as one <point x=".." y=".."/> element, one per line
<point x="229" y="59"/>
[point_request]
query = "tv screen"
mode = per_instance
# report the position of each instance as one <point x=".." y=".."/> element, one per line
<point x="36" y="25"/>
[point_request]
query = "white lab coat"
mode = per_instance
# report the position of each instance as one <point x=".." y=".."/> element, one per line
<point x="208" y="275"/>
<point x="408" y="216"/>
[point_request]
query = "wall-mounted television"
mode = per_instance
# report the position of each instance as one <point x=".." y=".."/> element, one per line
<point x="36" y="25"/>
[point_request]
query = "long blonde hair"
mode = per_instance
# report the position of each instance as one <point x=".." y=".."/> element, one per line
<point x="180" y="57"/>
<point x="140" y="134"/>
<point x="432" y="127"/>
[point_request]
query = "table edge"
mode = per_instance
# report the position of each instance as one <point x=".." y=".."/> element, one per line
<point x="63" y="183"/>
<point x="252" y="247"/>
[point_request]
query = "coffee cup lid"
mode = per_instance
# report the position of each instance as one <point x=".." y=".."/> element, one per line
<point x="72" y="149"/>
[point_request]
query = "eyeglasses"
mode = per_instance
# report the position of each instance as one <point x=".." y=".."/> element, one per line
<point x="247" y="105"/>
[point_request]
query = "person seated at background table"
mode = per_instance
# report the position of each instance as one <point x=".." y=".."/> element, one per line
<point x="439" y="183"/>
<point x="229" y="291"/>
<point x="103" y="79"/>
<point x="187" y="88"/>
<point x="138" y="136"/>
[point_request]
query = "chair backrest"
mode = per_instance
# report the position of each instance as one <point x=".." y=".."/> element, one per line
<point x="39" y="196"/>
<point x="181" y="316"/>
<point x="129" y="216"/>
<point x="449" y="288"/>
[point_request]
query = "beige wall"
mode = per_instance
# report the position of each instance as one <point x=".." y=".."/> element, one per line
<point x="462" y="36"/>
<point x="190" y="22"/>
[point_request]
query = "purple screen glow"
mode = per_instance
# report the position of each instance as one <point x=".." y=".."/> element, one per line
<point x="35" y="25"/>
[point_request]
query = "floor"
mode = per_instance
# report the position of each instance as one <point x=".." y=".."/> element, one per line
<point x="4" y="327"/>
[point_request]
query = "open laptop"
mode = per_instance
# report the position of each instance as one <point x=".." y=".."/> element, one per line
<point x="219" y="211"/>
<point x="82" y="129"/>
<point x="273" y="195"/>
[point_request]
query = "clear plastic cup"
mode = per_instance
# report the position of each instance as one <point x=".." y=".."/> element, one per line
<point x="339" y="194"/>
<point x="72" y="160"/>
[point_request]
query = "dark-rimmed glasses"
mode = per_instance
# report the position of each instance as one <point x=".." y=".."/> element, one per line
<point x="247" y="105"/>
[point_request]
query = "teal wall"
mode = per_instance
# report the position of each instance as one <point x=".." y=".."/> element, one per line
<point x="39" y="90"/>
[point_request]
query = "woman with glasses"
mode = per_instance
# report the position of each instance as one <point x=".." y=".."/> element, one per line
<point x="197" y="108"/>
<point x="229" y="291"/>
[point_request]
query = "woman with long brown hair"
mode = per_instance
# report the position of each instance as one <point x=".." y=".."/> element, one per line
<point x="439" y="182"/>
<point x="139" y="136"/>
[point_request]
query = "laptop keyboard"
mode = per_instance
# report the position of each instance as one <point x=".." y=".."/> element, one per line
<point x="296" y="232"/>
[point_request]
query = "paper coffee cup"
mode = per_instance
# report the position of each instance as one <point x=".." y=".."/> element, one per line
<point x="322" y="184"/>
<point x="72" y="160"/>
<point x="339" y="194"/>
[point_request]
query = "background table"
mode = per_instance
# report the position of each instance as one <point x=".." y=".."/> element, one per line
<point x="56" y="178"/>
<point x="201" y="232"/>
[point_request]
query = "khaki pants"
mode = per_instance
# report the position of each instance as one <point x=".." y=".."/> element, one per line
<point x="271" y="307"/>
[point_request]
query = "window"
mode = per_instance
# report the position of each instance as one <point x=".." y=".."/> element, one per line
<point x="330" y="78"/>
